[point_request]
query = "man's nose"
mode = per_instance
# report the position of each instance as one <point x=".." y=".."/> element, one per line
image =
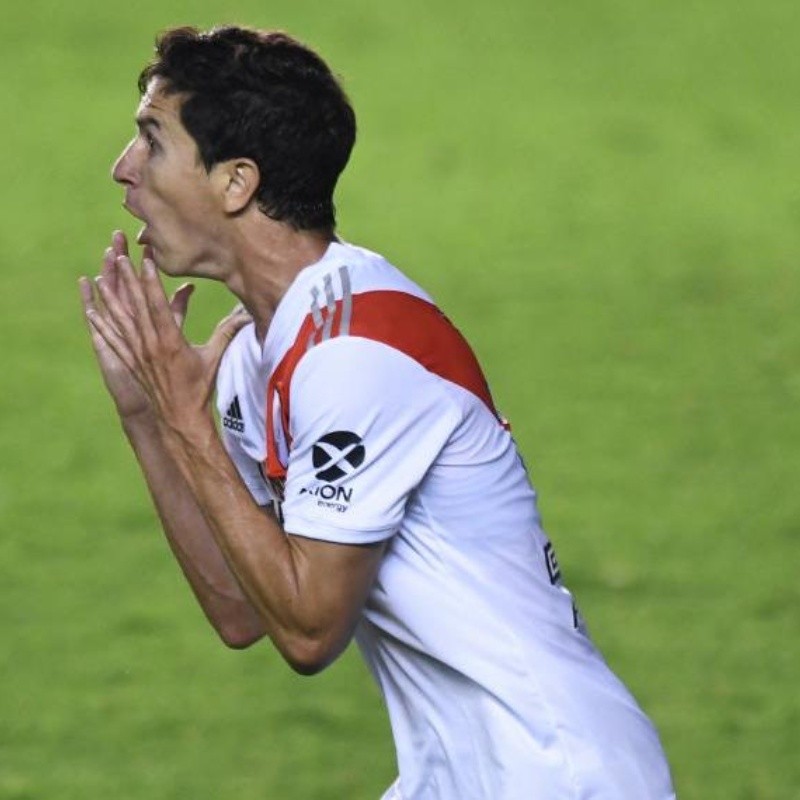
<point x="124" y="169"/>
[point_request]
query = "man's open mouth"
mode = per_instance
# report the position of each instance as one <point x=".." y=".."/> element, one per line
<point x="142" y="237"/>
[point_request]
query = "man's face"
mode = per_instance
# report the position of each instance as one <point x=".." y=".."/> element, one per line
<point x="168" y="188"/>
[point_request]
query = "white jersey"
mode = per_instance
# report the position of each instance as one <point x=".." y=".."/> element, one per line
<point x="366" y="417"/>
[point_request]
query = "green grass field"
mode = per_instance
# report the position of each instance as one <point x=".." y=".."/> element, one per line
<point x="605" y="197"/>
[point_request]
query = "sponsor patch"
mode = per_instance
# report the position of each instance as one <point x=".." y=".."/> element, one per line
<point x="336" y="455"/>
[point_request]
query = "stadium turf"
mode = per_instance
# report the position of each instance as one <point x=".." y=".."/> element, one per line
<point x="604" y="197"/>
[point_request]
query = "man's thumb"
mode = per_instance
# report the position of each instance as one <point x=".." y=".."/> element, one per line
<point x="179" y="304"/>
<point x="223" y="334"/>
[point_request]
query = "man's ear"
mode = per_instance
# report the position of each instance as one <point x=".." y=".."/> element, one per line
<point x="237" y="181"/>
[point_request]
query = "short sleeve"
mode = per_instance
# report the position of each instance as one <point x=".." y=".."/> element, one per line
<point x="247" y="468"/>
<point x="235" y="370"/>
<point x="367" y="422"/>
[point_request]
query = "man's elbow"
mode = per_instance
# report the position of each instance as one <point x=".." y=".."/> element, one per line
<point x="239" y="640"/>
<point x="238" y="634"/>
<point x="309" y="655"/>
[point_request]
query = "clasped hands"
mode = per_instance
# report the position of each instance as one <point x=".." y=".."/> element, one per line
<point x="147" y="364"/>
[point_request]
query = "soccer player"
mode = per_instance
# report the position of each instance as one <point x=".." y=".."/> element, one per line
<point x="361" y="483"/>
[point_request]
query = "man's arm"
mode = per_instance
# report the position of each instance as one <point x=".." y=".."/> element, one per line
<point x="308" y="593"/>
<point x="209" y="575"/>
<point x="213" y="582"/>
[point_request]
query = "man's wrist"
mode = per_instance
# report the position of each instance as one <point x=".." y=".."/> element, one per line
<point x="138" y="423"/>
<point x="192" y="441"/>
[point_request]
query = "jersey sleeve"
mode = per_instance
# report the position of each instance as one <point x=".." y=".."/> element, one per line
<point x="247" y="468"/>
<point x="228" y="392"/>
<point x="367" y="422"/>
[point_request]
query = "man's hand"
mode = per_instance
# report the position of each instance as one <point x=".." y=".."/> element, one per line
<point x="127" y="393"/>
<point x="136" y="332"/>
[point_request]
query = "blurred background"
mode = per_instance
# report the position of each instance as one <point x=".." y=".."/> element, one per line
<point x="604" y="196"/>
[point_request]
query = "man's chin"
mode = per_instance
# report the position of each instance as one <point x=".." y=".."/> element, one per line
<point x="155" y="255"/>
<point x="152" y="252"/>
<point x="149" y="250"/>
<point x="168" y="262"/>
<point x="171" y="267"/>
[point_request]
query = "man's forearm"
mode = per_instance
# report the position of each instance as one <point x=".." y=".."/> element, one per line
<point x="309" y="593"/>
<point x="253" y="544"/>
<point x="191" y="540"/>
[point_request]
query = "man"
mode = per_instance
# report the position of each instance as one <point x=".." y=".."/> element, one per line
<point x="362" y="484"/>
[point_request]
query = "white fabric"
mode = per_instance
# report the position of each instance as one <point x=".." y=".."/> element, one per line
<point x="393" y="792"/>
<point x="494" y="690"/>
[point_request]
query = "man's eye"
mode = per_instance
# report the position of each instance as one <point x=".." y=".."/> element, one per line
<point x="150" y="141"/>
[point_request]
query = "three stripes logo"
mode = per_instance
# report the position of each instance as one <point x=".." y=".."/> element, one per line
<point x="233" y="420"/>
<point x="331" y="317"/>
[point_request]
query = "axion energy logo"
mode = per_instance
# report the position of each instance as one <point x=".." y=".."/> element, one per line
<point x="337" y="454"/>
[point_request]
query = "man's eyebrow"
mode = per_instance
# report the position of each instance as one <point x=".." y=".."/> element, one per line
<point x="147" y="122"/>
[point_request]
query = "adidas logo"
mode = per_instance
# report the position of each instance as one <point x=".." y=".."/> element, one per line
<point x="233" y="417"/>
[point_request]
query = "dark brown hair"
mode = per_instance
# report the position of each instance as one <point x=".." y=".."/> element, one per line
<point x="264" y="96"/>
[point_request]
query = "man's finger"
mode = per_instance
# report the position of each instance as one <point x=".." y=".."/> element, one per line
<point x="119" y="247"/>
<point x="91" y="302"/>
<point x="154" y="296"/>
<point x="179" y="304"/>
<point x="87" y="293"/>
<point x="119" y="242"/>
<point x="108" y="270"/>
<point x="86" y="288"/>
<point x="223" y="335"/>
<point x="123" y="294"/>
<point x="105" y="334"/>
<point x="119" y="315"/>
<point x="135" y="297"/>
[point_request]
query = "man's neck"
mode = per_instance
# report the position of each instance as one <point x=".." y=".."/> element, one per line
<point x="268" y="257"/>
